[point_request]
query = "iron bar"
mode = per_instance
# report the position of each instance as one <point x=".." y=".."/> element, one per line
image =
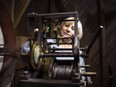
<point x="57" y="43"/>
<point x="58" y="38"/>
<point x="53" y="15"/>
<point x="60" y="49"/>
<point x="60" y="54"/>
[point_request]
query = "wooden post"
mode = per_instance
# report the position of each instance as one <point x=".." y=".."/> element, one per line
<point x="102" y="41"/>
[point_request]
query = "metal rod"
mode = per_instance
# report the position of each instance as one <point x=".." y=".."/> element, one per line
<point x="63" y="54"/>
<point x="53" y="15"/>
<point x="57" y="43"/>
<point x="60" y="49"/>
<point x="58" y="38"/>
<point x="57" y="55"/>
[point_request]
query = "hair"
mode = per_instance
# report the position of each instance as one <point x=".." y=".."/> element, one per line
<point x="80" y="30"/>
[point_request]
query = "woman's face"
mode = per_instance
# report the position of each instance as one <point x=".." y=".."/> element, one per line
<point x="67" y="29"/>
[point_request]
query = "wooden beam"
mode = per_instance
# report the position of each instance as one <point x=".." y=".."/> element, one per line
<point x="20" y="7"/>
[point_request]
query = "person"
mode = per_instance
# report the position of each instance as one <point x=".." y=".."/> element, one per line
<point x="66" y="30"/>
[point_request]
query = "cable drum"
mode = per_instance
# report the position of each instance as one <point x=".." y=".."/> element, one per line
<point x="62" y="72"/>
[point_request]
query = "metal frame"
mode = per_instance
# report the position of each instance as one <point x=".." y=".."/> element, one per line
<point x="75" y="82"/>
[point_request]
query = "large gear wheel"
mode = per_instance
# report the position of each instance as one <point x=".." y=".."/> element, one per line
<point x="35" y="59"/>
